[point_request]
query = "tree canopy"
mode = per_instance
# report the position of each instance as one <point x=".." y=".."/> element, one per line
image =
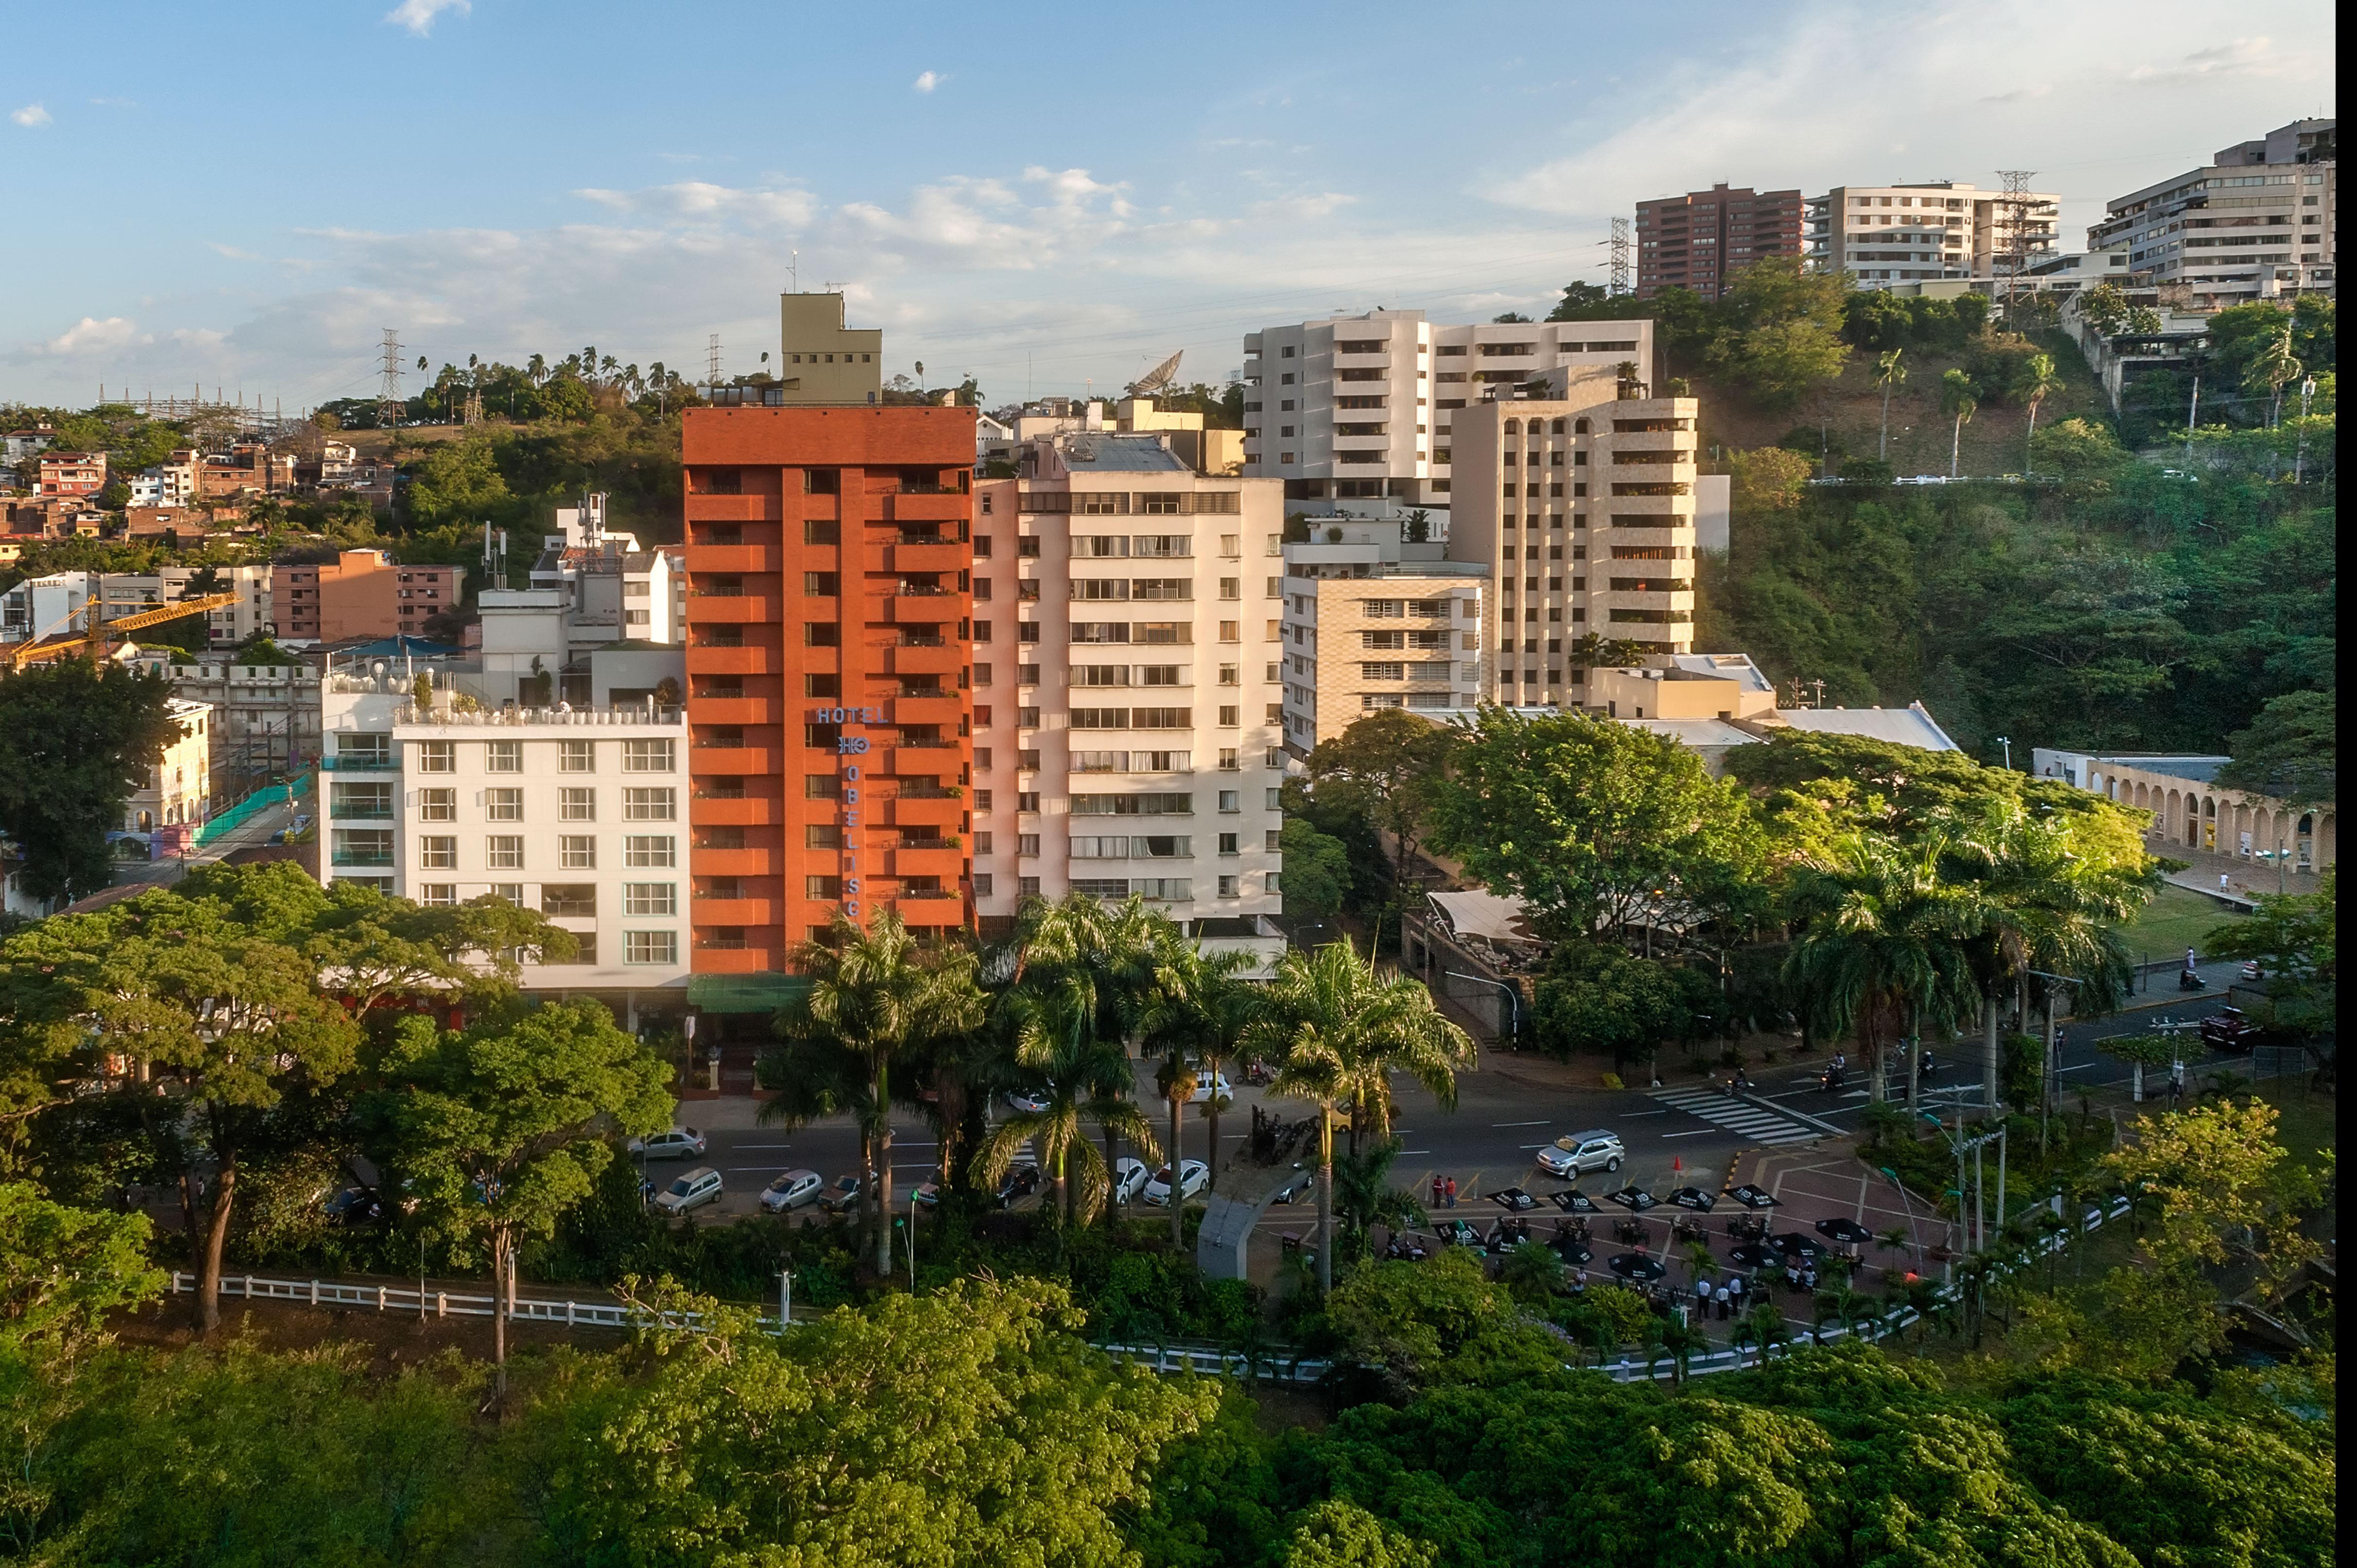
<point x="76" y="740"/>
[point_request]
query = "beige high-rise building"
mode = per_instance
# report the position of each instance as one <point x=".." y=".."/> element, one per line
<point x="1583" y="505"/>
<point x="820" y="359"/>
<point x="1372" y="623"/>
<point x="1885" y="234"/>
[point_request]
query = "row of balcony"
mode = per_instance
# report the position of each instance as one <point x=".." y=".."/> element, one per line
<point x="935" y="505"/>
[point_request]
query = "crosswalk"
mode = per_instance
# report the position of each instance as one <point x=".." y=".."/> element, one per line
<point x="1722" y="1111"/>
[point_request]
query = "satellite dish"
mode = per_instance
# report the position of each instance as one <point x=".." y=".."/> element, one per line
<point x="1160" y="377"/>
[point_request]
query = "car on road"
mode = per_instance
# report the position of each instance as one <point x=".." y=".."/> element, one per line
<point x="1192" y="1177"/>
<point x="693" y="1189"/>
<point x="678" y="1144"/>
<point x="2252" y="971"/>
<point x="353" y="1206"/>
<point x="2230" y="1029"/>
<point x="1572" y="1157"/>
<point x="1030" y="1102"/>
<point x="843" y="1194"/>
<point x="792" y="1191"/>
<point x="1209" y="1083"/>
<point x="1019" y="1182"/>
<point x="929" y="1191"/>
<point x="1129" y="1177"/>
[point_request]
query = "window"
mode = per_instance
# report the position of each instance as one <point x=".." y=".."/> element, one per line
<point x="651" y="947"/>
<point x="1028" y="845"/>
<point x="821" y="787"/>
<point x="982" y="878"/>
<point x="503" y="852"/>
<point x="647" y="757"/>
<point x="1272" y="883"/>
<point x="1229" y="886"/>
<point x="437" y="895"/>
<point x="439" y="853"/>
<point x="650" y="849"/>
<point x="504" y="757"/>
<point x="511" y="891"/>
<point x="1231" y="631"/>
<point x="577" y="852"/>
<point x="576" y="756"/>
<point x="1273" y="799"/>
<point x="576" y="805"/>
<point x="362" y="846"/>
<point x="1229" y="762"/>
<point x="362" y="801"/>
<point x="649" y="805"/>
<point x="503" y="805"/>
<point x="827" y="888"/>
<point x="437" y="756"/>
<point x="1232" y="800"/>
<point x="1230" y="715"/>
<point x="1273" y="840"/>
<point x="1228" y="843"/>
<point x="650" y="898"/>
<point x="438" y="805"/>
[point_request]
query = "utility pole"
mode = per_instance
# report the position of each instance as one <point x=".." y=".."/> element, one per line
<point x="712" y="360"/>
<point x="2299" y="451"/>
<point x="2192" y="412"/>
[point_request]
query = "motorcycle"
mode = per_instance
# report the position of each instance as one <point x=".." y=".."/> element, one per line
<point x="2188" y="981"/>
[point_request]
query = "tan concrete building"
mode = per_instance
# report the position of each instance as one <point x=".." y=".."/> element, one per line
<point x="364" y="594"/>
<point x="1582" y="506"/>
<point x="1885" y="234"/>
<point x="1371" y="623"/>
<point x="821" y="359"/>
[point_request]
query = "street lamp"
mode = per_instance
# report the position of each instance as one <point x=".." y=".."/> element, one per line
<point x="1513" y="1001"/>
<point x="2007" y="742"/>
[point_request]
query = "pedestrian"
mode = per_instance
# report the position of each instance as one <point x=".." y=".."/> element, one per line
<point x="2176" y="1081"/>
<point x="1702" y="1296"/>
<point x="1449" y="1193"/>
<point x="2221" y="882"/>
<point x="1721" y="1297"/>
<point x="1734" y="1288"/>
<point x="1436" y="1191"/>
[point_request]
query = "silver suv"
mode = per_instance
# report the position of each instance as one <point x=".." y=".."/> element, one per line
<point x="1582" y="1152"/>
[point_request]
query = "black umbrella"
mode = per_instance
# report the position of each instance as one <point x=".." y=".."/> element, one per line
<point x="1694" y="1197"/>
<point x="1515" y="1198"/>
<point x="1635" y="1266"/>
<point x="1843" y="1229"/>
<point x="1571" y="1200"/>
<point x="1752" y="1256"/>
<point x="1635" y="1199"/>
<point x="1752" y="1197"/>
<point x="1798" y="1245"/>
<point x="1569" y="1249"/>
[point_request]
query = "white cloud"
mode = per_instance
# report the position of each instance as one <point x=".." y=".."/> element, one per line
<point x="32" y="116"/>
<point x="419" y="16"/>
<point x="928" y="81"/>
<point x="2244" y="57"/>
<point x="87" y="338"/>
<point x="697" y="200"/>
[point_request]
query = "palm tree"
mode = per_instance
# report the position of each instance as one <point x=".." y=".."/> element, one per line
<point x="1197" y="1013"/>
<point x="1960" y="397"/>
<point x="1886" y="936"/>
<point x="1889" y="373"/>
<point x="1364" y="1198"/>
<point x="1084" y="1079"/>
<point x="2272" y="369"/>
<point x="1340" y="1031"/>
<point x="2039" y="383"/>
<point x="878" y="993"/>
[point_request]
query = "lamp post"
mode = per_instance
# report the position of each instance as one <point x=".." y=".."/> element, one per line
<point x="2007" y="742"/>
<point x="1514" y="1003"/>
<point x="2051" y="1085"/>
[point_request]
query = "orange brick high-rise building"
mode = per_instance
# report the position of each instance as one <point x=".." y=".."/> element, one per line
<point x="829" y="638"/>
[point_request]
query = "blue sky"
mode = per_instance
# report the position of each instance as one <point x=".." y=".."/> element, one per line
<point x="1045" y="196"/>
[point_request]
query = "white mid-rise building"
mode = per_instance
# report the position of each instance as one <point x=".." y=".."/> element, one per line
<point x="1354" y="413"/>
<point x="45" y="606"/>
<point x="1372" y="621"/>
<point x="1886" y="234"/>
<point x="2255" y="221"/>
<point x="1129" y="626"/>
<point x="616" y="589"/>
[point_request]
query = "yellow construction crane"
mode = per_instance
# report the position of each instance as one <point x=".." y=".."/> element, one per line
<point x="30" y="652"/>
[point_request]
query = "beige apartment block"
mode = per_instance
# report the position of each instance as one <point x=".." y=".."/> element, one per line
<point x="819" y="359"/>
<point x="1886" y="234"/>
<point x="179" y="787"/>
<point x="1405" y="634"/>
<point x="1583" y="506"/>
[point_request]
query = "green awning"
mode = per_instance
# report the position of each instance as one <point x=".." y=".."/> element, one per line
<point x="743" y="993"/>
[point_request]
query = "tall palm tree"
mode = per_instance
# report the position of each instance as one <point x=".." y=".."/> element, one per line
<point x="878" y="993"/>
<point x="1339" y="1031"/>
<point x="1960" y="397"/>
<point x="2272" y="368"/>
<point x="1083" y="1079"/>
<point x="2039" y="383"/>
<point x="1198" y="1012"/>
<point x="1889" y="373"/>
<point x="1886" y="936"/>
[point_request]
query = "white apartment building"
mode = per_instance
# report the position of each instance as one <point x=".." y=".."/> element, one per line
<point x="2258" y="218"/>
<point x="44" y="607"/>
<point x="1128" y="618"/>
<point x="577" y="811"/>
<point x="1358" y="408"/>
<point x="617" y="589"/>
<point x="1882" y="234"/>
<point x="171" y="483"/>
<point x="1582" y="503"/>
<point x="1371" y="622"/>
<point x="177" y="789"/>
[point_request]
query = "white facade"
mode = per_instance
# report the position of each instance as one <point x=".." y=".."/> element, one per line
<point x="45" y="607"/>
<point x="1358" y="408"/>
<point x="179" y="787"/>
<point x="1128" y="618"/>
<point x="1883" y="234"/>
<point x="2260" y="216"/>
<point x="615" y="590"/>
<point x="266" y="717"/>
<point x="581" y="815"/>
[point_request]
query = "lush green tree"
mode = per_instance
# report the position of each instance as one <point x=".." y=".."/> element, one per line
<point x="1384" y="765"/>
<point x="2101" y="635"/>
<point x="1197" y="1018"/>
<point x="1082" y="1077"/>
<point x="63" y="1270"/>
<point x="2039" y="382"/>
<point x="2291" y="751"/>
<point x="1890" y="374"/>
<point x="1765" y="478"/>
<point x="1317" y="870"/>
<point x="877" y="993"/>
<point x="1343" y="1535"/>
<point x="1596" y="825"/>
<point x="2296" y="939"/>
<point x="1598" y="996"/>
<point x="1960" y="397"/>
<point x="1783" y="332"/>
<point x="460" y="482"/>
<point x="76" y="741"/>
<point x="498" y="1129"/>
<point x="1364" y="1197"/>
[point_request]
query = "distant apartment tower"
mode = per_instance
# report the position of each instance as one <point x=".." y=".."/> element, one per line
<point x="1700" y="239"/>
<point x="1582" y="503"/>
<point x="829" y="628"/>
<point x="1371" y="622"/>
<point x="64" y="475"/>
<point x="1128" y="617"/>
<point x="2257" y="218"/>
<point x="362" y="593"/>
<point x="1883" y="234"/>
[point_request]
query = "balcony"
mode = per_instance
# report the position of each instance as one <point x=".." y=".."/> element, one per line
<point x="932" y="609"/>
<point x="360" y="858"/>
<point x="710" y="912"/>
<point x="704" y="861"/>
<point x="744" y="608"/>
<point x="944" y="860"/>
<point x="703" y="507"/>
<point x="927" y="555"/>
<point x="928" y="708"/>
<point x="934" y="506"/>
<point x="362" y="764"/>
<point x="736" y="558"/>
<point x="705" y="659"/>
<point x="1679" y="602"/>
<point x="928" y="810"/>
<point x="740" y="811"/>
<point x="732" y="757"/>
<point x="936" y="656"/>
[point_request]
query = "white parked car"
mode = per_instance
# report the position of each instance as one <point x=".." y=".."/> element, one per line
<point x="1192" y="1176"/>
<point x="792" y="1190"/>
<point x="1024" y="1099"/>
<point x="1582" y="1152"/>
<point x="1208" y="1083"/>
<point x="1129" y="1177"/>
<point x="678" y="1144"/>
<point x="692" y="1190"/>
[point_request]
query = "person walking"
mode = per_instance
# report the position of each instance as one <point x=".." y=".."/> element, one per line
<point x="1449" y="1193"/>
<point x="1702" y="1296"/>
<point x="1721" y="1297"/>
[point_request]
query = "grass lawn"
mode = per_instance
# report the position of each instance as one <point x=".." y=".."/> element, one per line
<point x="2176" y="918"/>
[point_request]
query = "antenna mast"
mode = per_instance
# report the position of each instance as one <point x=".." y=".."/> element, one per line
<point x="712" y="360"/>
<point x="1620" y="243"/>
<point x="388" y="391"/>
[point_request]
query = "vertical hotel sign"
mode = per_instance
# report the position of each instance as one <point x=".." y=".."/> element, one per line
<point x="848" y="749"/>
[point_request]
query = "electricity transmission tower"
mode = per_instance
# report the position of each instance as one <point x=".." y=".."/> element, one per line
<point x="1621" y="255"/>
<point x="2013" y="253"/>
<point x="712" y="361"/>
<point x="388" y="391"/>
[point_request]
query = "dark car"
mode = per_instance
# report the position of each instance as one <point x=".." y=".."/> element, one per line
<point x="842" y="1196"/>
<point x="2230" y="1029"/>
<point x="354" y="1205"/>
<point x="1018" y="1183"/>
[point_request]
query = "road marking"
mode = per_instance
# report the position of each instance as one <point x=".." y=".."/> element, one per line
<point x="1735" y="1115"/>
<point x="1518" y="1124"/>
<point x="1697" y="1133"/>
<point x="1403" y="1153"/>
<point x="1631" y="1115"/>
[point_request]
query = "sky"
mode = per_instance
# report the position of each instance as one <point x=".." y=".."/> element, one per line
<point x="1049" y="199"/>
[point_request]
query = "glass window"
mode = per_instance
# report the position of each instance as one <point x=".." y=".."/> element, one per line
<point x="511" y="891"/>
<point x="647" y="757"/>
<point x="649" y="805"/>
<point x="576" y="756"/>
<point x="437" y="895"/>
<point x="439" y="853"/>
<point x="651" y="947"/>
<point x="437" y="756"/>
<point x="362" y="801"/>
<point x="504" y="757"/>
<point x="438" y="805"/>
<point x="572" y="900"/>
<point x="503" y="805"/>
<point x="650" y="898"/>
<point x="503" y="852"/>
<point x="650" y="849"/>
<point x="578" y="805"/>
<point x="362" y="846"/>
<point x="577" y="852"/>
